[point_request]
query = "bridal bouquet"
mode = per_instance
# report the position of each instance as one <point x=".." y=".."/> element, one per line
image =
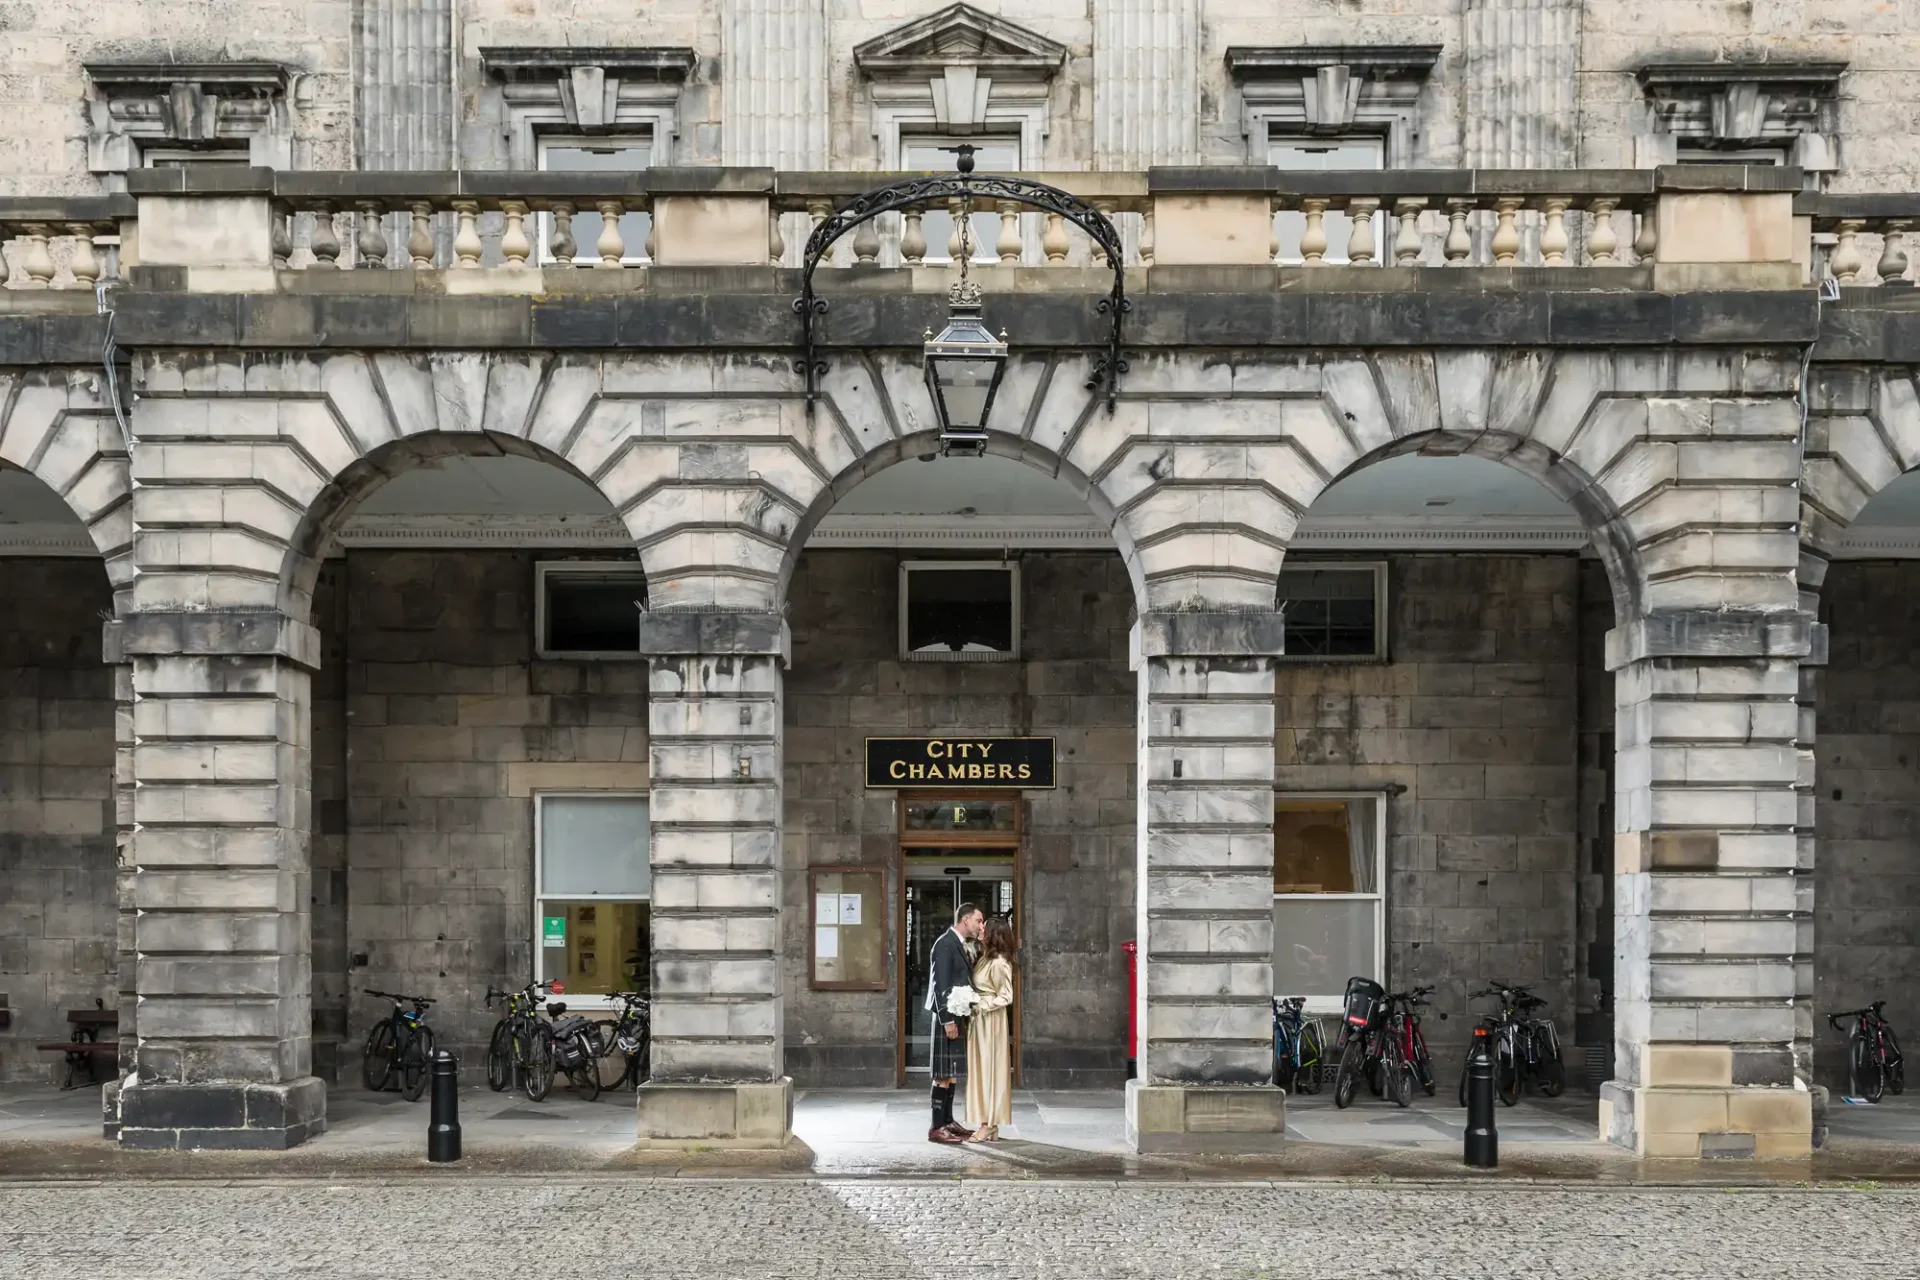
<point x="960" y="1001"/>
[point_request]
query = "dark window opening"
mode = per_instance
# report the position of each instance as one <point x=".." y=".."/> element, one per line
<point x="959" y="611"/>
<point x="1330" y="613"/>
<point x="593" y="612"/>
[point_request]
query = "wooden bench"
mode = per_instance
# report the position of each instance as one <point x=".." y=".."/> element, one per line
<point x="84" y="1048"/>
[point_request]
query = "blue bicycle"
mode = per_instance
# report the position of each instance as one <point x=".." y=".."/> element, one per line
<point x="1299" y="1046"/>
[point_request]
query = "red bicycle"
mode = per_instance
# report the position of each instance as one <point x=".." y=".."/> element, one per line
<point x="1381" y="1039"/>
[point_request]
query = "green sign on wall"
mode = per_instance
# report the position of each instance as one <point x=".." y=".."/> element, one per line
<point x="555" y="932"/>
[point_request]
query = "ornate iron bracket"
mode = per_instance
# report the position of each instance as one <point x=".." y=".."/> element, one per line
<point x="965" y="185"/>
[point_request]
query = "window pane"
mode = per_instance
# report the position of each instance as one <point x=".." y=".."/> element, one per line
<point x="1317" y="946"/>
<point x="608" y="157"/>
<point x="959" y="610"/>
<point x="1330" y="612"/>
<point x="595" y="947"/>
<point x="959" y="815"/>
<point x="991" y="155"/>
<point x="594" y="845"/>
<point x="1325" y="846"/>
<point x="593" y="612"/>
<point x="1315" y="155"/>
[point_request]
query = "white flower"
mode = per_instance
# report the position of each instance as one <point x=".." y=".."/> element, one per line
<point x="960" y="1001"/>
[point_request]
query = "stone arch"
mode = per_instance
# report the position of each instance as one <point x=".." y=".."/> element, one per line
<point x="1863" y="434"/>
<point x="56" y="426"/>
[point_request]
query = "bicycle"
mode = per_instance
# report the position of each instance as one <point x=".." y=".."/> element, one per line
<point x="400" y="1041"/>
<point x="631" y="1035"/>
<point x="1362" y="1039"/>
<point x="1526" y="1045"/>
<point x="1874" y="1061"/>
<point x="520" y="1050"/>
<point x="1409" y="1044"/>
<point x="576" y="1048"/>
<point x="1299" y="1046"/>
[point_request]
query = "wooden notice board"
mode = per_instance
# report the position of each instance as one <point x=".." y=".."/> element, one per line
<point x="847" y="928"/>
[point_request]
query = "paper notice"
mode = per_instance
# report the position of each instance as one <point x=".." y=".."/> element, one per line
<point x="826" y="942"/>
<point x="850" y="908"/>
<point x="826" y="908"/>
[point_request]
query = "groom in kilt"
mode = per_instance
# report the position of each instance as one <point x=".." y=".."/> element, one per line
<point x="951" y="966"/>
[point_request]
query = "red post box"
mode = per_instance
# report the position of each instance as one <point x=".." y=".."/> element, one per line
<point x="1133" y="1005"/>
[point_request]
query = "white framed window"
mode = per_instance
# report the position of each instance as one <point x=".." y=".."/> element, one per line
<point x="1334" y="612"/>
<point x="631" y="153"/>
<point x="1329" y="900"/>
<point x="592" y="893"/>
<point x="993" y="153"/>
<point x="165" y="157"/>
<point x="587" y="608"/>
<point x="1769" y="157"/>
<point x="1309" y="154"/>
<point x="959" y="611"/>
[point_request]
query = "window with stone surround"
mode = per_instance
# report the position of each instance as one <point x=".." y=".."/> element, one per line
<point x="959" y="611"/>
<point x="588" y="609"/>
<point x="1334" y="612"/>
<point x="592" y="892"/>
<point x="1306" y="154"/>
<point x="1329" y="904"/>
<point x="993" y="153"/>
<point x="583" y="154"/>
<point x="1731" y="112"/>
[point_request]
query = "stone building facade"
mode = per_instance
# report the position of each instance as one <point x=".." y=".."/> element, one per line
<point x="1554" y="566"/>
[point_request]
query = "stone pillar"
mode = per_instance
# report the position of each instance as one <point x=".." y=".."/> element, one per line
<point x="773" y="84"/>
<point x="714" y="723"/>
<point x="129" y="1002"/>
<point x="404" y="71"/>
<point x="1521" y="67"/>
<point x="223" y="1055"/>
<point x="1205" y="884"/>
<point x="1146" y="83"/>
<point x="1713" y="895"/>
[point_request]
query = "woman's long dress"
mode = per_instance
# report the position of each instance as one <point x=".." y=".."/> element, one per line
<point x="989" y="1048"/>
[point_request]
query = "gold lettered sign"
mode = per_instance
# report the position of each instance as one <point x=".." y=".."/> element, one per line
<point x="1015" y="764"/>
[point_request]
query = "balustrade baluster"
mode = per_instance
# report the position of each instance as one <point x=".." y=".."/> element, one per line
<point x="467" y="246"/>
<point x="420" y="239"/>
<point x="372" y="240"/>
<point x="819" y="211"/>
<point x="610" y="246"/>
<point x="324" y="242"/>
<point x="1459" y="243"/>
<point x="649" y="247"/>
<point x="86" y="264"/>
<point x="1106" y="209"/>
<point x="776" y="243"/>
<point x="1275" y="207"/>
<point x="1146" y="237"/>
<point x="1892" y="266"/>
<point x="36" y="259"/>
<point x="1313" y="241"/>
<point x="560" y="246"/>
<point x="514" y="245"/>
<point x="1406" y="244"/>
<point x="1506" y="236"/>
<point x="1647" y="243"/>
<point x="954" y="208"/>
<point x="913" y="239"/>
<point x="1553" y="234"/>
<point x="1361" y="249"/>
<point x="866" y="242"/>
<point x="1008" y="245"/>
<point x="1845" y="261"/>
<point x="1602" y="244"/>
<point x="5" y="272"/>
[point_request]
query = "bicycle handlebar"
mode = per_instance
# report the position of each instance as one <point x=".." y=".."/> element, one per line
<point x="422" y="1001"/>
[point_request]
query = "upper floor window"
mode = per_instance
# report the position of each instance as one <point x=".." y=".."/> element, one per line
<point x="992" y="153"/>
<point x="560" y="153"/>
<point x="1760" y="113"/>
<point x="1297" y="154"/>
<point x="1335" y="612"/>
<point x="959" y="611"/>
<point x="588" y="609"/>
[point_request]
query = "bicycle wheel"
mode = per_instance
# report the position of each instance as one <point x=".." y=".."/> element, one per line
<point x="416" y="1063"/>
<point x="537" y="1070"/>
<point x="1285" y="1071"/>
<point x="376" y="1062"/>
<point x="1506" y="1073"/>
<point x="1312" y="1056"/>
<point x="1896" y="1062"/>
<point x="1347" y="1077"/>
<point x="1423" y="1064"/>
<point x="500" y="1057"/>
<point x="1866" y="1069"/>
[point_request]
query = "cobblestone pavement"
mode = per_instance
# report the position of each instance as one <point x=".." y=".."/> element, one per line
<point x="741" y="1230"/>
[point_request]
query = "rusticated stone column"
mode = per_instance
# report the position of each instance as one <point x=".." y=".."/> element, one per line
<point x="223" y="1051"/>
<point x="1713" y="895"/>
<point x="714" y="724"/>
<point x="1205" y="884"/>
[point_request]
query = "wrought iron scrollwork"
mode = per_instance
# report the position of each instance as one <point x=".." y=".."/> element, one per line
<point x="968" y="187"/>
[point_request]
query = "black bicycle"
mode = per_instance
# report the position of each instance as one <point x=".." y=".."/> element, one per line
<point x="1526" y="1045"/>
<point x="402" y="1043"/>
<point x="521" y="1048"/>
<point x="629" y="1035"/>
<point x="1874" y="1062"/>
<point x="576" y="1049"/>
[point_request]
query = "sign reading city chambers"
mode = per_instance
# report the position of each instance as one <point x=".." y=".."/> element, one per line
<point x="1015" y="764"/>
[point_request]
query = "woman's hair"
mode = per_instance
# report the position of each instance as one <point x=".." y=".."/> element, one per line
<point x="999" y="940"/>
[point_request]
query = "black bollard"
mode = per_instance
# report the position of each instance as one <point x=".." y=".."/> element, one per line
<point x="1483" y="1143"/>
<point x="443" y="1124"/>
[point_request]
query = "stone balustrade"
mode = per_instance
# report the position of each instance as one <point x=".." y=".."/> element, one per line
<point x="1861" y="238"/>
<point x="60" y="244"/>
<point x="235" y="229"/>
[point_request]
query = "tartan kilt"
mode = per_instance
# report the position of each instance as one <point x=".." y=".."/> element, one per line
<point x="950" y="1056"/>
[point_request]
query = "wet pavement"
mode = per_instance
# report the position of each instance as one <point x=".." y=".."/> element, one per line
<point x="882" y="1134"/>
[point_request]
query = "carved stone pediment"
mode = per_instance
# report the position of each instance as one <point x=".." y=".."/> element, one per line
<point x="1332" y="89"/>
<point x="584" y="89"/>
<point x="1732" y="106"/>
<point x="190" y="105"/>
<point x="960" y="36"/>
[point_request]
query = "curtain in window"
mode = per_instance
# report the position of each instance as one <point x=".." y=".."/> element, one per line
<point x="1360" y="844"/>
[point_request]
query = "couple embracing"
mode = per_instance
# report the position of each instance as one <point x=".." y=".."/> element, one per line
<point x="970" y="994"/>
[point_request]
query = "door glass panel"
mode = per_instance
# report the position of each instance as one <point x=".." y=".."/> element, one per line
<point x="934" y="892"/>
<point x="958" y="815"/>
